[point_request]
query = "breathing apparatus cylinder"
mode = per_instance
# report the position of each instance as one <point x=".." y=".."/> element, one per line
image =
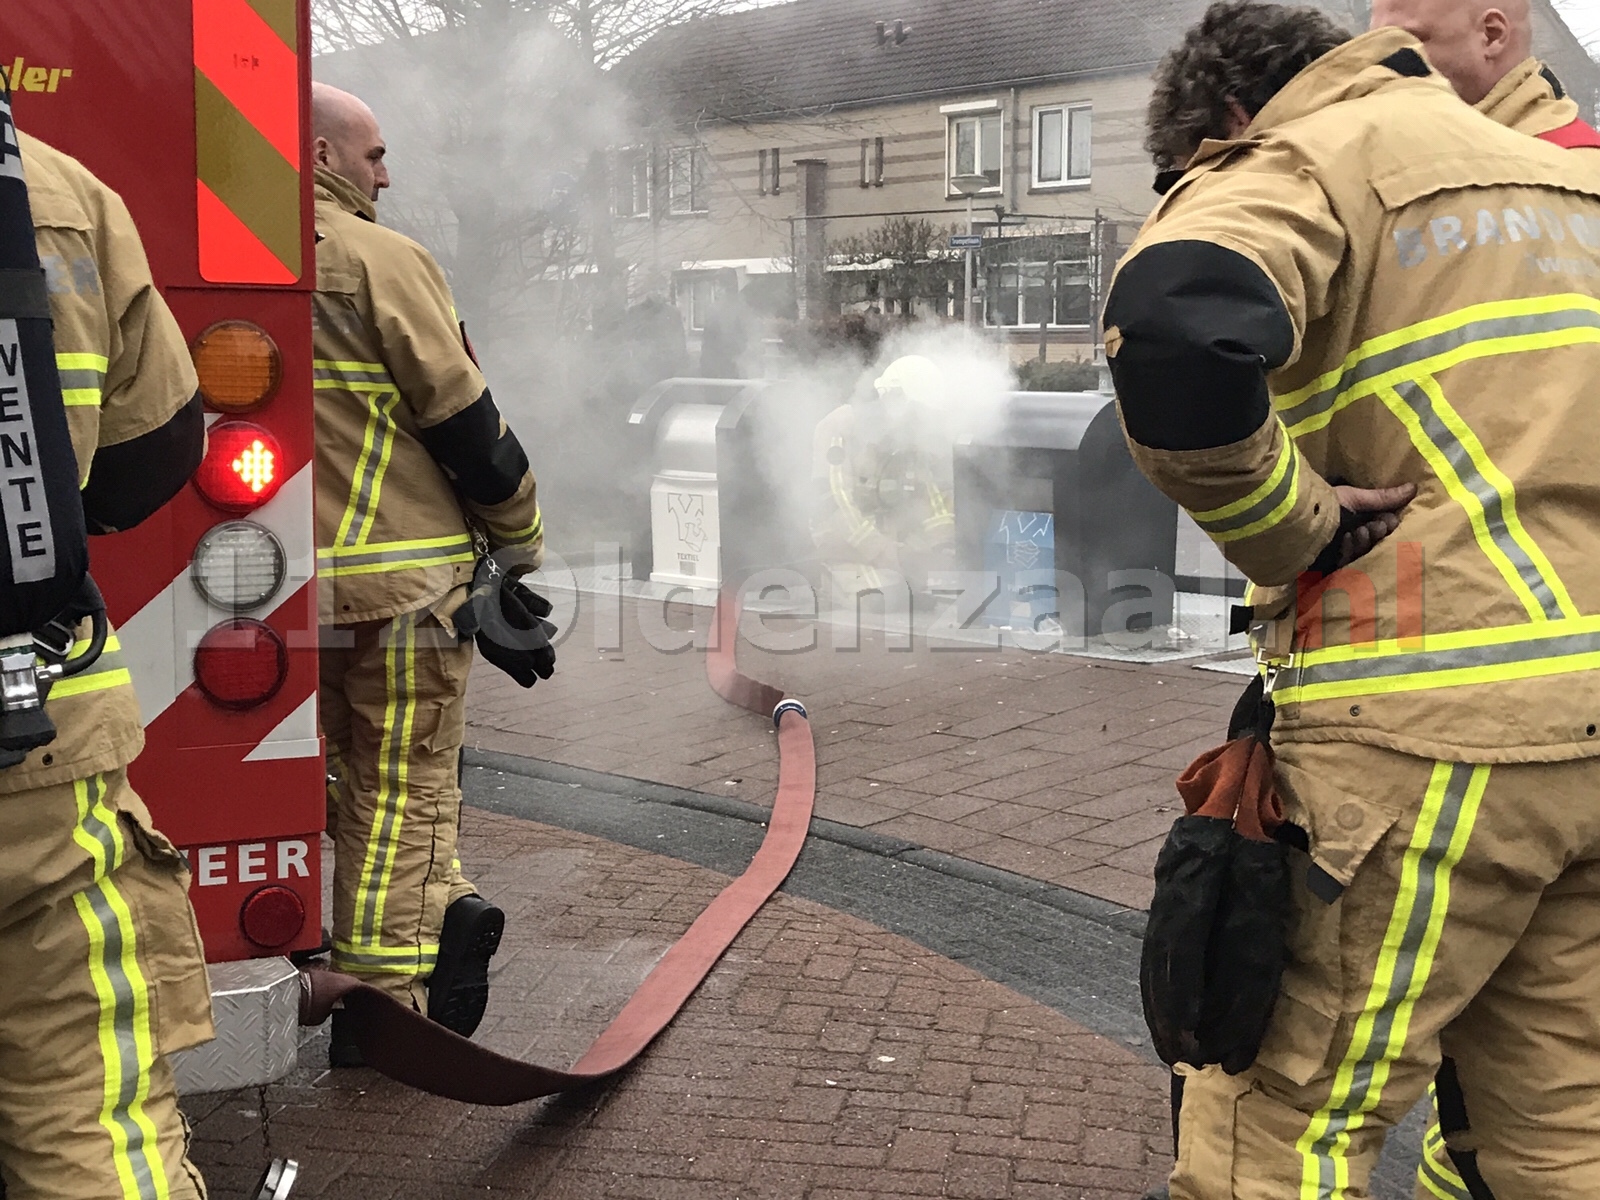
<point x="44" y="550"/>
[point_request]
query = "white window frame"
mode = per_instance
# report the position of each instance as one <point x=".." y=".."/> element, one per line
<point x="694" y="157"/>
<point x="1037" y="268"/>
<point x="1070" y="112"/>
<point x="978" y="111"/>
<point x="697" y="310"/>
<point x="632" y="160"/>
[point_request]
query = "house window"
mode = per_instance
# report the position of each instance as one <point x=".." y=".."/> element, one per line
<point x="686" y="185"/>
<point x="761" y="172"/>
<point x="1061" y="140"/>
<point x="871" y="162"/>
<point x="976" y="147"/>
<point x="1031" y="294"/>
<point x="773" y="165"/>
<point x="631" y="184"/>
<point x="701" y="295"/>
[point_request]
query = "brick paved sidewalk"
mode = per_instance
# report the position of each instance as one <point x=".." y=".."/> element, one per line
<point x="823" y="1060"/>
<point x="1053" y="766"/>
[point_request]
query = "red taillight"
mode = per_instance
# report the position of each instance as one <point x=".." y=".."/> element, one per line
<point x="243" y="466"/>
<point x="272" y="917"/>
<point x="240" y="664"/>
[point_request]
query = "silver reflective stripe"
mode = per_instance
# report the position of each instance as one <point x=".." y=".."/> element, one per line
<point x="121" y="1014"/>
<point x="336" y="558"/>
<point x="372" y="469"/>
<point x="1428" y="907"/>
<point x="1494" y="517"/>
<point x="393" y="791"/>
<point x="80" y="380"/>
<point x="1428" y="661"/>
<point x="1440" y="343"/>
<point x="348" y="375"/>
<point x="1263" y="508"/>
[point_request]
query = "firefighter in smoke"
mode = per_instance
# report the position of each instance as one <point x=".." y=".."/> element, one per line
<point x="1338" y="287"/>
<point x="103" y="969"/>
<point x="1485" y="51"/>
<point x="425" y="504"/>
<point x="882" y="476"/>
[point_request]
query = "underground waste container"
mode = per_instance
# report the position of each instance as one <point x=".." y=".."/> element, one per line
<point x="1047" y="486"/>
<point x="727" y="484"/>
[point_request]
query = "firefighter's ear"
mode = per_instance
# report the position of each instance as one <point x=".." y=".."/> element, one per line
<point x="319" y="152"/>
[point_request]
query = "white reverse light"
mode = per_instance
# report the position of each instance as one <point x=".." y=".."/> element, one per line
<point x="238" y="565"/>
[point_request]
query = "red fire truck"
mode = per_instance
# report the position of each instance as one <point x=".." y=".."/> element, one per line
<point x="196" y="112"/>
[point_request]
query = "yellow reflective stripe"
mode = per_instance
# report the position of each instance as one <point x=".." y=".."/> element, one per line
<point x="362" y="377"/>
<point x="1405" y="962"/>
<point x="531" y="533"/>
<point x="1459" y="461"/>
<point x="366" y="480"/>
<point x="123" y="1029"/>
<point x="1428" y="347"/>
<point x="106" y="673"/>
<point x="858" y="527"/>
<point x="1435" y="1172"/>
<point x="83" y="378"/>
<point x="1495" y="655"/>
<point x="394" y="772"/>
<point x="1262" y="508"/>
<point x="377" y="557"/>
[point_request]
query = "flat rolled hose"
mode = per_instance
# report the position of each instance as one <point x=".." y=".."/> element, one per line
<point x="404" y="1045"/>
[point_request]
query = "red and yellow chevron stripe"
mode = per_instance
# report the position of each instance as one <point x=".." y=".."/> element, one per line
<point x="247" y="125"/>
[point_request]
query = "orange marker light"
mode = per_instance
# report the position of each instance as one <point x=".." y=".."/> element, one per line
<point x="239" y="366"/>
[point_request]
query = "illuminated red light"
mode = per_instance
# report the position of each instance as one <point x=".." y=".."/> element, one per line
<point x="272" y="917"/>
<point x="243" y="466"/>
<point x="240" y="663"/>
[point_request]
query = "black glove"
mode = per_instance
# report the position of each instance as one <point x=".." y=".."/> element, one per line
<point x="508" y="621"/>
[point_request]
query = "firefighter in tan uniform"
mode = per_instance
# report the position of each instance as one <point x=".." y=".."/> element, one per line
<point x="413" y="463"/>
<point x="1366" y="311"/>
<point x="1484" y="50"/>
<point x="103" y="970"/>
<point x="881" y="473"/>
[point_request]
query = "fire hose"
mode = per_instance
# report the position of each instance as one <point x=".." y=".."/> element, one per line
<point x="407" y="1047"/>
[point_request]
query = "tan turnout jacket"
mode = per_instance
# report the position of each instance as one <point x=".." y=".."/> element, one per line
<point x="125" y="371"/>
<point x="1440" y="280"/>
<point x="394" y="532"/>
<point x="1525" y="100"/>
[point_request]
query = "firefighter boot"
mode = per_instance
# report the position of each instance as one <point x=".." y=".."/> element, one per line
<point x="458" y="992"/>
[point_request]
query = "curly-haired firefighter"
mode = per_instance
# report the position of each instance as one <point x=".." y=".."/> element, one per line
<point x="1356" y="341"/>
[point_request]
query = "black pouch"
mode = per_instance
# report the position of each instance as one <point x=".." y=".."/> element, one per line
<point x="1216" y="943"/>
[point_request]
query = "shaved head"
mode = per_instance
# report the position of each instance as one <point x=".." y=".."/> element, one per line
<point x="1473" y="43"/>
<point x="345" y="139"/>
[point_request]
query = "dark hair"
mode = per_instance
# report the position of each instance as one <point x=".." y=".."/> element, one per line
<point x="1240" y="51"/>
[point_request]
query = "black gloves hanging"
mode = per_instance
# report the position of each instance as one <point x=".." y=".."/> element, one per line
<point x="508" y="621"/>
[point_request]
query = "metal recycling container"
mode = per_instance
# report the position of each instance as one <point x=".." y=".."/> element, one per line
<point x="726" y="493"/>
<point x="1061" y="456"/>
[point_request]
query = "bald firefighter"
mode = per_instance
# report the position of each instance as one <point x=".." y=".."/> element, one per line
<point x="1313" y="342"/>
<point x="881" y="474"/>
<point x="1485" y="50"/>
<point x="103" y="970"/>
<point x="418" y="478"/>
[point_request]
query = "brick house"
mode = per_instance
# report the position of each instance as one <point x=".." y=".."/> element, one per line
<point x="815" y="153"/>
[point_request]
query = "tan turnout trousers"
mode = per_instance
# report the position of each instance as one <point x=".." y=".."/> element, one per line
<point x="1468" y="929"/>
<point x="101" y="965"/>
<point x="394" y="712"/>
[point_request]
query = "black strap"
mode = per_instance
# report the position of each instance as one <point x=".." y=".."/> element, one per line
<point x="1167" y="180"/>
<point x="1407" y="62"/>
<point x="23" y="295"/>
<point x="1453" y="1119"/>
<point x="1549" y="77"/>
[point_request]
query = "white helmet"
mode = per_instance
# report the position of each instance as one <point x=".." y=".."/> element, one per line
<point x="917" y="378"/>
